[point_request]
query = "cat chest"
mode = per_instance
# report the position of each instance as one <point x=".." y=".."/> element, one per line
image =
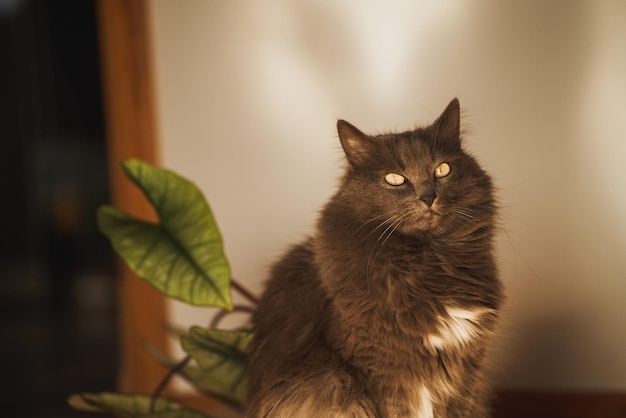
<point x="457" y="328"/>
<point x="413" y="378"/>
<point x="428" y="313"/>
<point x="415" y="328"/>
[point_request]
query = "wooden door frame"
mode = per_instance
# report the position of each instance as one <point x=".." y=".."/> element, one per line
<point x="127" y="67"/>
<point x="129" y="111"/>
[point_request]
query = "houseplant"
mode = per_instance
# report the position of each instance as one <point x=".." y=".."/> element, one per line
<point x="182" y="256"/>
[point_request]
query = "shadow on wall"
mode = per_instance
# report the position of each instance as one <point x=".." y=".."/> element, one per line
<point x="548" y="351"/>
<point x="568" y="352"/>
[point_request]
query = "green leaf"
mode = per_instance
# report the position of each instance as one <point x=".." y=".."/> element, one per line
<point x="130" y="406"/>
<point x="183" y="254"/>
<point x="221" y="362"/>
<point x="220" y="357"/>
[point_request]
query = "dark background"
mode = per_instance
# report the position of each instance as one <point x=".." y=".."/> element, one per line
<point x="57" y="292"/>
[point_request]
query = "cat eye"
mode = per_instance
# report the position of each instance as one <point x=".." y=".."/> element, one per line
<point x="442" y="170"/>
<point x="394" y="179"/>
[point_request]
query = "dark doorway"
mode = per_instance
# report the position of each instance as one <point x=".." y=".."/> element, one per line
<point x="57" y="291"/>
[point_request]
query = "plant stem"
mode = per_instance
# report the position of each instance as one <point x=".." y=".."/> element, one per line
<point x="222" y="314"/>
<point x="244" y="292"/>
<point x="177" y="367"/>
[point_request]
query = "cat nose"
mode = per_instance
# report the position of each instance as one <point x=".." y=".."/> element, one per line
<point x="428" y="198"/>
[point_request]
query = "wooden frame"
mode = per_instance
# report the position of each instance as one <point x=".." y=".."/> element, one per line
<point x="129" y="106"/>
<point x="130" y="114"/>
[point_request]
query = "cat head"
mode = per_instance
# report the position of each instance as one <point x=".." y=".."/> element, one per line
<point x="416" y="181"/>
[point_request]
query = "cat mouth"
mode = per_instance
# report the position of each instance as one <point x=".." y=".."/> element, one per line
<point x="429" y="217"/>
<point x="424" y="220"/>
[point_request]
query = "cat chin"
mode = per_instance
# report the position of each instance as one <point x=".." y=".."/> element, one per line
<point x="421" y="224"/>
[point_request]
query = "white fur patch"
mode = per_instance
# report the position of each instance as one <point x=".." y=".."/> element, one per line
<point x="426" y="404"/>
<point x="456" y="328"/>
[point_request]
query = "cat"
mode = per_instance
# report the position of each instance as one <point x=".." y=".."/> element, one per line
<point x="387" y="310"/>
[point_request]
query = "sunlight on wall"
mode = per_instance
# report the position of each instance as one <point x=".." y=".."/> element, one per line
<point x="248" y="95"/>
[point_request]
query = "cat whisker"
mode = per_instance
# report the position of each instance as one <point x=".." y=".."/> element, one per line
<point x="382" y="240"/>
<point x="466" y="215"/>
<point x="391" y="220"/>
<point x="386" y="217"/>
<point x="391" y="225"/>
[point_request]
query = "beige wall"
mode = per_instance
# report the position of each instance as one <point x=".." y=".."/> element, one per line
<point x="248" y="94"/>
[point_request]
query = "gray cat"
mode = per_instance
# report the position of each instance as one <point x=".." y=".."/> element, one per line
<point x="387" y="310"/>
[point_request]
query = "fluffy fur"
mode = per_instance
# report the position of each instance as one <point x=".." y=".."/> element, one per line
<point x="387" y="310"/>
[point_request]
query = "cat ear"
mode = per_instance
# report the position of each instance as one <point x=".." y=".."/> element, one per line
<point x="448" y="125"/>
<point x="353" y="141"/>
